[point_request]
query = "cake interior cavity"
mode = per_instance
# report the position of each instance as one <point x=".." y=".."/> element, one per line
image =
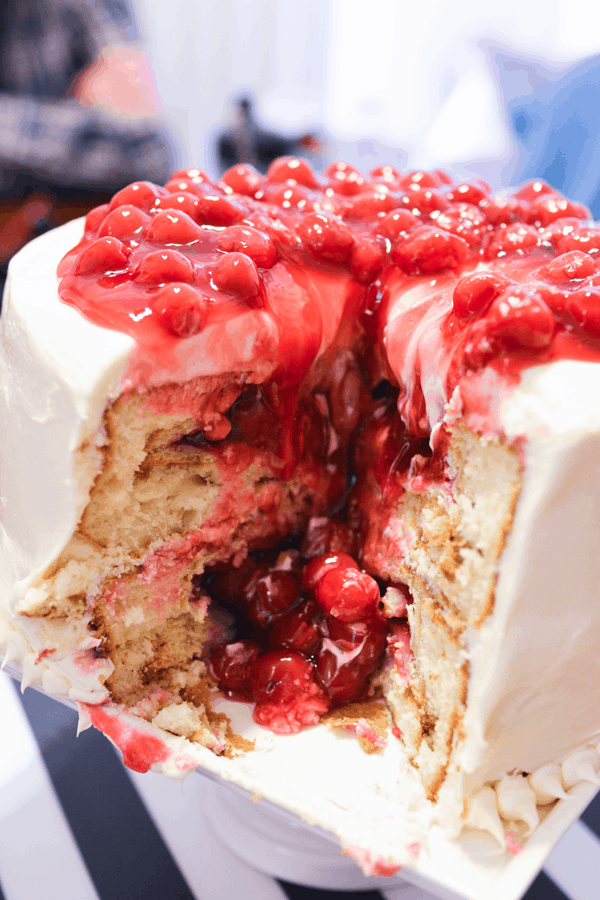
<point x="295" y="479"/>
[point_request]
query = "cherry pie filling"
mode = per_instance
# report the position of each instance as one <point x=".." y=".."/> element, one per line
<point x="165" y="265"/>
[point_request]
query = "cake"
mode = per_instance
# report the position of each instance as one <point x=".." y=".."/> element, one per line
<point x="320" y="456"/>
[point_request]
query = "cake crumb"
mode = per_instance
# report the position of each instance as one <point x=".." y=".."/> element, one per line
<point x="368" y="720"/>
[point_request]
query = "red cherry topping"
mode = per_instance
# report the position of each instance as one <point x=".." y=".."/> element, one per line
<point x="465" y="220"/>
<point x="231" y="666"/>
<point x="387" y="174"/>
<point x="124" y="222"/>
<point x="182" y="310"/>
<point x="425" y="200"/>
<point x="183" y="201"/>
<point x="573" y="266"/>
<point x="236" y="274"/>
<point x="243" y="179"/>
<point x="298" y="629"/>
<point x="326" y="237"/>
<point x="289" y="167"/>
<point x="369" y="204"/>
<point x="344" y="662"/>
<point x="286" y="195"/>
<point x="532" y="190"/>
<point x="95" y="217"/>
<point x="513" y="238"/>
<point x="328" y="537"/>
<point x="214" y="209"/>
<point x="164" y="265"/>
<point x="502" y="210"/>
<point x="430" y="250"/>
<point x="421" y="179"/>
<point x="171" y="227"/>
<point x="580" y="238"/>
<point x="277" y="675"/>
<point x="323" y="563"/>
<point x="552" y="206"/>
<point x="584" y="306"/>
<point x="367" y="258"/>
<point x="344" y="178"/>
<point x="470" y="192"/>
<point x="274" y="594"/>
<point x="142" y="194"/>
<point x="107" y="254"/>
<point x="473" y="294"/>
<point x="248" y="240"/>
<point x="520" y="318"/>
<point x="347" y="594"/>
<point x="396" y="223"/>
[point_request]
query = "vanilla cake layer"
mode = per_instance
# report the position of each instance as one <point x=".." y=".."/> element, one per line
<point x="52" y="410"/>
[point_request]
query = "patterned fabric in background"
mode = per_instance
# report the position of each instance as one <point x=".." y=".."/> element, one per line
<point x="46" y="135"/>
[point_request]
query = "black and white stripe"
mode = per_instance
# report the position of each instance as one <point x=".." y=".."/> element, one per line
<point x="75" y="824"/>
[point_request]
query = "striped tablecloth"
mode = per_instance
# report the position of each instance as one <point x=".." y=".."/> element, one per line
<point x="76" y="825"/>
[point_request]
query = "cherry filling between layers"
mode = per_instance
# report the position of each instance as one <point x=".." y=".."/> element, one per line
<point x="315" y="629"/>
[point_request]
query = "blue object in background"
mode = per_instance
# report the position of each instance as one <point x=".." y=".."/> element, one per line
<point x="557" y="129"/>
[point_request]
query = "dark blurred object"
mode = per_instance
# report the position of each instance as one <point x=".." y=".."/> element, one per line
<point x="557" y="129"/>
<point x="75" y="114"/>
<point x="247" y="142"/>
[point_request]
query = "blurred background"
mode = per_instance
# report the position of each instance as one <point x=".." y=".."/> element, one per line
<point x="97" y="93"/>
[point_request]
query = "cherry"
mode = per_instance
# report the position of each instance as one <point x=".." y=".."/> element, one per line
<point x="470" y="192"/>
<point x="430" y="250"/>
<point x="164" y="265"/>
<point x="552" y="206"/>
<point x="370" y="204"/>
<point x="231" y="666"/>
<point x="142" y="194"/>
<point x="286" y="195"/>
<point x="584" y="306"/>
<point x="344" y="178"/>
<point x="194" y="174"/>
<point x="181" y="309"/>
<point x="243" y="179"/>
<point x="290" y="167"/>
<point x="425" y="200"/>
<point x="572" y="266"/>
<point x="347" y="594"/>
<point x="124" y="222"/>
<point x="513" y="238"/>
<point x="183" y="201"/>
<point x="321" y="564"/>
<point x="399" y="222"/>
<point x="278" y="674"/>
<point x="245" y="239"/>
<point x="474" y="293"/>
<point x="520" y="318"/>
<point x="421" y="179"/>
<point x="343" y="665"/>
<point x="325" y="236"/>
<point x="325" y="536"/>
<point x="502" y="210"/>
<point x="580" y="238"/>
<point x="367" y="258"/>
<point x="236" y="274"/>
<point x="214" y="209"/>
<point x="465" y="220"/>
<point x="387" y="174"/>
<point x="171" y="227"/>
<point x="95" y="217"/>
<point x="298" y="629"/>
<point x="107" y="254"/>
<point x="272" y="595"/>
<point x="532" y="190"/>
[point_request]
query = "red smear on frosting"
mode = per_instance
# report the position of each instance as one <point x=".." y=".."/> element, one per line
<point x="140" y="749"/>
<point x="371" y="865"/>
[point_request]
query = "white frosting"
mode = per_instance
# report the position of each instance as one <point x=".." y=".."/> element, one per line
<point x="534" y="690"/>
